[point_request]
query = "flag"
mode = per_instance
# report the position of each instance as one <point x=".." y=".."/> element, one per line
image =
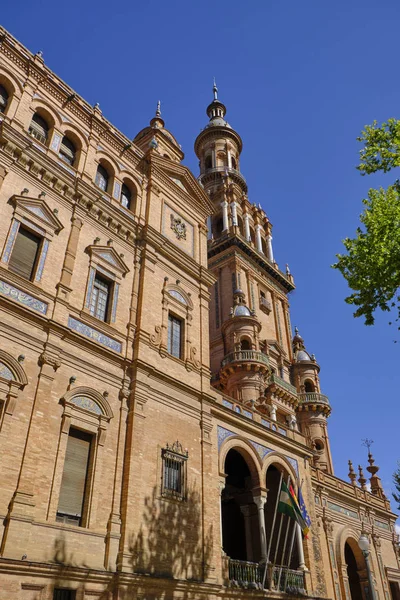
<point x="299" y="501"/>
<point x="289" y="506"/>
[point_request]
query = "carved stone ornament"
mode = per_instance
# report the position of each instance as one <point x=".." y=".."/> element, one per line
<point x="178" y="226"/>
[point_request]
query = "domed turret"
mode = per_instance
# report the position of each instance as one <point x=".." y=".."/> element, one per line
<point x="314" y="407"/>
<point x="156" y="136"/>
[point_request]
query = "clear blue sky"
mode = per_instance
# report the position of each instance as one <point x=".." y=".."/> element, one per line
<point x="300" y="80"/>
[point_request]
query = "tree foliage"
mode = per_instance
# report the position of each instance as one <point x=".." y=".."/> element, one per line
<point x="396" y="481"/>
<point x="371" y="265"/>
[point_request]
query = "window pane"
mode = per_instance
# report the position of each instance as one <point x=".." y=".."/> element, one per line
<point x="73" y="484"/>
<point x="67" y="151"/>
<point x="125" y="196"/>
<point x="174" y="336"/>
<point x="101" y="178"/>
<point x="24" y="254"/>
<point x="99" y="299"/>
<point x="3" y="99"/>
<point x="39" y="128"/>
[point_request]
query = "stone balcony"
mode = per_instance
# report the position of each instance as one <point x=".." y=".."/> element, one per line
<point x="314" y="401"/>
<point x="245" y="356"/>
<point x="217" y="172"/>
<point x="250" y="575"/>
<point x="282" y="389"/>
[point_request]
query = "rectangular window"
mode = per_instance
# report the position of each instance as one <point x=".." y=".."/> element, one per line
<point x="99" y="301"/>
<point x="174" y="473"/>
<point x="63" y="594"/>
<point x="175" y="328"/>
<point x="25" y="253"/>
<point x="74" y="484"/>
<point x="394" y="590"/>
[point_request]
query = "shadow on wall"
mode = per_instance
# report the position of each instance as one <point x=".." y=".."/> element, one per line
<point x="170" y="545"/>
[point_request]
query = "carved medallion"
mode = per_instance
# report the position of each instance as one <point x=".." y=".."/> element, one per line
<point x="178" y="226"/>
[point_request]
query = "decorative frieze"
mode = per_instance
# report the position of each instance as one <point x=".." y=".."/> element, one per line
<point x="23" y="298"/>
<point x="94" y="334"/>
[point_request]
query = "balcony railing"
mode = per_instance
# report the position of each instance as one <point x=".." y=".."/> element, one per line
<point x="288" y="580"/>
<point x="245" y="356"/>
<point x="245" y="574"/>
<point x="313" y="398"/>
<point x="227" y="170"/>
<point x="283" y="384"/>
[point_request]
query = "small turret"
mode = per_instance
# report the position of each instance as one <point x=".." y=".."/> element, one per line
<point x="158" y="138"/>
<point x="375" y="481"/>
<point x="314" y="407"/>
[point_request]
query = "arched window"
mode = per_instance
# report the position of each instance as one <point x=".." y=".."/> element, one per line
<point x="208" y="162"/>
<point x="3" y="99"/>
<point x="245" y="344"/>
<point x="240" y="225"/>
<point x="39" y="128"/>
<point x="309" y="386"/>
<point x="126" y="196"/>
<point x="102" y="178"/>
<point x="67" y="151"/>
<point x="233" y="162"/>
<point x="252" y="235"/>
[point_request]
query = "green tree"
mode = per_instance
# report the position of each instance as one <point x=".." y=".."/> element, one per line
<point x="371" y="265"/>
<point x="396" y="481"/>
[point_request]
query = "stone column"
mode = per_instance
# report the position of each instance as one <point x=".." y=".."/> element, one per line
<point x="258" y="238"/>
<point x="246" y="512"/>
<point x="225" y="220"/>
<point x="269" y="244"/>
<point x="260" y="503"/>
<point x="234" y="213"/>
<point x="272" y="412"/>
<point x="300" y="549"/>
<point x="247" y="227"/>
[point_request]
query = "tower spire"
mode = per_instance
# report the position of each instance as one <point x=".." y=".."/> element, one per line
<point x="158" y="111"/>
<point x="215" y="90"/>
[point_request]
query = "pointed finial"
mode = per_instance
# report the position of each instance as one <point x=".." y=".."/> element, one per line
<point x="215" y="90"/>
<point x="158" y="111"/>
<point x="361" y="480"/>
<point x="368" y="443"/>
<point x="287" y="270"/>
<point x="352" y="474"/>
<point x="296" y="330"/>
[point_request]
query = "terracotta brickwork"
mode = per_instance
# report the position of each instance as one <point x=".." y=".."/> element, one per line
<point x="130" y="216"/>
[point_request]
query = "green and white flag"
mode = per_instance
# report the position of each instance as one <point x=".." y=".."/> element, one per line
<point x="289" y="507"/>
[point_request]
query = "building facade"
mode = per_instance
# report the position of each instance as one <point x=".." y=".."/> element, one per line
<point x="152" y="396"/>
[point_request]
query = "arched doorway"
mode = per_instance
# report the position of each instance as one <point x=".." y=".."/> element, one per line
<point x="240" y="531"/>
<point x="357" y="573"/>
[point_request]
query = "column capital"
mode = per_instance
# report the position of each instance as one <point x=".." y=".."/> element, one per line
<point x="260" y="499"/>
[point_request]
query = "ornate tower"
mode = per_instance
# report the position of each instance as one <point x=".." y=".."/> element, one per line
<point x="314" y="407"/>
<point x="250" y="337"/>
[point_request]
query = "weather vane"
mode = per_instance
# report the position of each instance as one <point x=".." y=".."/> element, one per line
<point x="368" y="443"/>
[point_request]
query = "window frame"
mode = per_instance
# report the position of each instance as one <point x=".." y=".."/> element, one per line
<point x="89" y="411"/>
<point x="106" y="190"/>
<point x="35" y="265"/>
<point x="105" y="262"/>
<point x="31" y="129"/>
<point x="174" y="454"/>
<point x="7" y="98"/>
<point x="172" y="319"/>
<point x="36" y="216"/>
<point x="99" y="281"/>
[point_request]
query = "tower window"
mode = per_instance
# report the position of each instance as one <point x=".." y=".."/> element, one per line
<point x="74" y="484"/>
<point x="126" y="196"/>
<point x="233" y="162"/>
<point x="25" y="253"/>
<point x="208" y="162"/>
<point x="175" y="329"/>
<point x="3" y="99"/>
<point x="99" y="301"/>
<point x="67" y="151"/>
<point x="309" y="386"/>
<point x="64" y="594"/>
<point x="102" y="178"/>
<point x="39" y="128"/>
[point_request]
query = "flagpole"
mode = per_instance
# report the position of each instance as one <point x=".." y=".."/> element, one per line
<point x="272" y="530"/>
<point x="284" y="544"/>
<point x="295" y="525"/>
